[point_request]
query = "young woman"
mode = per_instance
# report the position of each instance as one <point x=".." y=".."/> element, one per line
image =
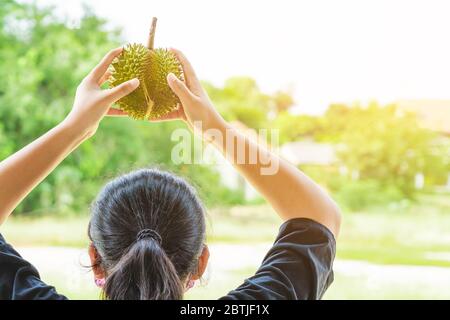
<point x="147" y="229"/>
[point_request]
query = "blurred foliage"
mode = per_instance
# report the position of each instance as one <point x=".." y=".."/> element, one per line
<point x="380" y="150"/>
<point x="384" y="144"/>
<point x="358" y="195"/>
<point x="240" y="99"/>
<point x="42" y="60"/>
<point x="283" y="101"/>
<point x="296" y="127"/>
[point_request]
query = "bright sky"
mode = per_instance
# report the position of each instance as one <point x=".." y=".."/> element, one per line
<point x="324" y="51"/>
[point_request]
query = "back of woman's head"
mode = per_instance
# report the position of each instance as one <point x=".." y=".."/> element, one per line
<point x="148" y="228"/>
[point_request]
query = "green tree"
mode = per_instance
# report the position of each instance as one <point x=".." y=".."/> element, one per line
<point x="42" y="60"/>
<point x="241" y="99"/>
<point x="382" y="144"/>
<point x="297" y="127"/>
<point x="283" y="101"/>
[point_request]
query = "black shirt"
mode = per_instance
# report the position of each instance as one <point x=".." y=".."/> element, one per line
<point x="19" y="279"/>
<point x="298" y="266"/>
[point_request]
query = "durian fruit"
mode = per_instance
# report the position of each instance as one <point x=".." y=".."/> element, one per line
<point x="133" y="63"/>
<point x="153" y="98"/>
<point x="161" y="63"/>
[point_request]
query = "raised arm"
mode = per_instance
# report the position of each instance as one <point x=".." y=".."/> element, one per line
<point x="290" y="192"/>
<point x="24" y="170"/>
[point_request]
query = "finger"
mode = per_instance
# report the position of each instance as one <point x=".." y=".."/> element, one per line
<point x="191" y="78"/>
<point x="104" y="78"/>
<point x="102" y="67"/>
<point x="173" y="115"/>
<point x="116" y="93"/>
<point x="180" y="89"/>
<point x="113" y="112"/>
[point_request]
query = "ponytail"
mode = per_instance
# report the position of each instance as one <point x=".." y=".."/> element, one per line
<point x="145" y="272"/>
<point x="148" y="228"/>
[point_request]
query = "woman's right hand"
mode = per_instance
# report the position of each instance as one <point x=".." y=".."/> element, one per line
<point x="91" y="102"/>
<point x="196" y="108"/>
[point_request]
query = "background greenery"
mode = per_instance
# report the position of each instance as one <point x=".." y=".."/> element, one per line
<point x="387" y="221"/>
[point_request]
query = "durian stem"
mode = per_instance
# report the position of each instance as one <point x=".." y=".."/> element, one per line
<point x="151" y="37"/>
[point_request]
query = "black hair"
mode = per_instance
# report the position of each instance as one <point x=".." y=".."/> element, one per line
<point x="148" y="228"/>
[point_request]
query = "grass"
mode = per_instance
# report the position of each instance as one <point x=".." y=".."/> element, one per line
<point x="233" y="225"/>
<point x="411" y="235"/>
<point x="361" y="288"/>
<point x="46" y="231"/>
<point x="415" y="235"/>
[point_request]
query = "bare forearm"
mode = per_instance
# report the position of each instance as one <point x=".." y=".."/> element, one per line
<point x="290" y="192"/>
<point x="25" y="169"/>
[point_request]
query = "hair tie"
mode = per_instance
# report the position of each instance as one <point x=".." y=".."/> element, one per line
<point x="149" y="233"/>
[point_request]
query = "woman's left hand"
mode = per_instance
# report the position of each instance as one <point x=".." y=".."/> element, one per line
<point x="91" y="102"/>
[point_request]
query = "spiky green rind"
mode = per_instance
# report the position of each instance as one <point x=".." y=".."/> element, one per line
<point x="162" y="62"/>
<point x="154" y="98"/>
<point x="132" y="63"/>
